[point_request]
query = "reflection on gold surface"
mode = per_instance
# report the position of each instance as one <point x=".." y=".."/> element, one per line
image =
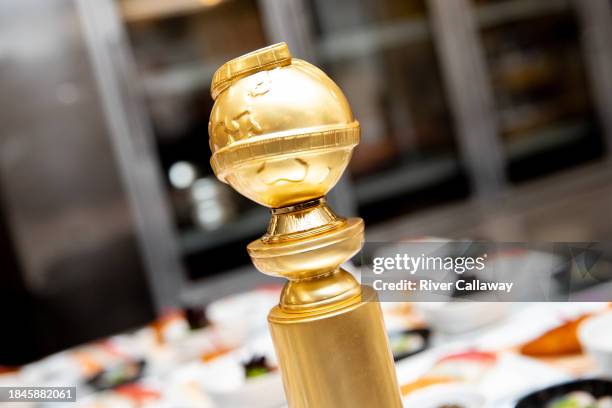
<point x="281" y="134"/>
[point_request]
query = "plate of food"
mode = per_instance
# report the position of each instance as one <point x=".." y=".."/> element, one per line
<point x="407" y="343"/>
<point x="585" y="393"/>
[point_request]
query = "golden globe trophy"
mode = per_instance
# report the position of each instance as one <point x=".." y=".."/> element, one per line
<point x="282" y="134"/>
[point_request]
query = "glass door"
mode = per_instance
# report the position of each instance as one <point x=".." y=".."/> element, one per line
<point x="543" y="105"/>
<point x="382" y="55"/>
<point x="178" y="45"/>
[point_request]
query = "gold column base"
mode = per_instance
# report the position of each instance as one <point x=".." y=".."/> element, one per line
<point x="336" y="358"/>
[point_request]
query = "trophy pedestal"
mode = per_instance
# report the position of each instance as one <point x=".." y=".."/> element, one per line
<point x="336" y="358"/>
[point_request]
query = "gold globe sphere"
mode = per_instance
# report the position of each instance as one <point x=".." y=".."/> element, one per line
<point x="281" y="131"/>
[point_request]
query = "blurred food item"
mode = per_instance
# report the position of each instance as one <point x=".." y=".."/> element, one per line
<point x="63" y="368"/>
<point x="581" y="399"/>
<point x="95" y="357"/>
<point x="409" y="342"/>
<point x="138" y="393"/>
<point x="257" y="365"/>
<point x="595" y="335"/>
<point x="400" y="316"/>
<point x="445" y="396"/>
<point x="89" y="364"/>
<point x="196" y="316"/>
<point x="212" y="354"/>
<point x="469" y="366"/>
<point x="586" y="393"/>
<point x="205" y="345"/>
<point x="170" y="326"/>
<point x="247" y="377"/>
<point x="560" y="341"/>
<point x="424" y="382"/>
<point x="115" y="376"/>
<point x="465" y="367"/>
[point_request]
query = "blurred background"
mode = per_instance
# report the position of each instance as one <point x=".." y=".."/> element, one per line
<point x="481" y="119"/>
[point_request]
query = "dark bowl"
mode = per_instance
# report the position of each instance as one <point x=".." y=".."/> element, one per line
<point x="424" y="334"/>
<point x="539" y="399"/>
